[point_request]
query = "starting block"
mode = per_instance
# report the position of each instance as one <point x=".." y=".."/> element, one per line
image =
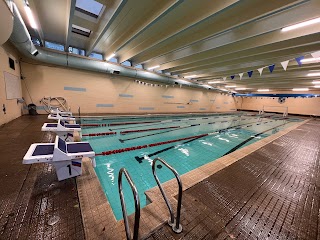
<point x="63" y="129"/>
<point x="65" y="156"/>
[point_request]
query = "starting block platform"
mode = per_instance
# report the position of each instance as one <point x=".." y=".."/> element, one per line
<point x="63" y="129"/>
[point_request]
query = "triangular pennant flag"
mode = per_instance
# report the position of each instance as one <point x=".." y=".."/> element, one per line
<point x="224" y="78"/>
<point x="232" y="77"/>
<point x="271" y="67"/>
<point x="316" y="54"/>
<point x="298" y="59"/>
<point x="250" y="73"/>
<point x="260" y="70"/>
<point x="284" y="64"/>
<point x="240" y="75"/>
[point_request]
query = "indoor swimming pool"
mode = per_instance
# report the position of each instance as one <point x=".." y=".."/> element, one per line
<point x="186" y="142"/>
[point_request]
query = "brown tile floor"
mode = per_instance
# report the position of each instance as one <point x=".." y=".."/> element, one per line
<point x="31" y="194"/>
<point x="273" y="193"/>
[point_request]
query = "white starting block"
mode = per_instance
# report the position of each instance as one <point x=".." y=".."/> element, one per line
<point x="57" y="110"/>
<point x="61" y="116"/>
<point x="63" y="129"/>
<point x="65" y="156"/>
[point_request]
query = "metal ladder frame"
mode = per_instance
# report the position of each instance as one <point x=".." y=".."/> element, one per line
<point x="174" y="223"/>
<point x="123" y="205"/>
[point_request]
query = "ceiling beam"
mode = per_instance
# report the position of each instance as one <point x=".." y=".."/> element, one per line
<point x="113" y="8"/>
<point x="69" y="22"/>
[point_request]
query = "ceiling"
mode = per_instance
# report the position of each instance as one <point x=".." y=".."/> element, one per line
<point x="209" y="39"/>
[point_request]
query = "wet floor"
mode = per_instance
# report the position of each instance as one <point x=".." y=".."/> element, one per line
<point x="33" y="204"/>
<point x="273" y="193"/>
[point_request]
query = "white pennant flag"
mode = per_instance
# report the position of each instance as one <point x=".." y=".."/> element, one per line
<point x="240" y="75"/>
<point x="285" y="64"/>
<point x="316" y="54"/>
<point x="260" y="70"/>
<point x="224" y="78"/>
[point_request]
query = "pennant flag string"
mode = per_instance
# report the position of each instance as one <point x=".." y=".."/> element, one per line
<point x="232" y="77"/>
<point x="260" y="70"/>
<point x="250" y="73"/>
<point x="284" y="64"/>
<point x="271" y="68"/>
<point x="298" y="59"/>
<point x="240" y="75"/>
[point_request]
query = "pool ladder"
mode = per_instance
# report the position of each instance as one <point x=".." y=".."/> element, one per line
<point x="173" y="222"/>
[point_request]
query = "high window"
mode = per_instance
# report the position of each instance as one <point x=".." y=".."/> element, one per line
<point x="89" y="7"/>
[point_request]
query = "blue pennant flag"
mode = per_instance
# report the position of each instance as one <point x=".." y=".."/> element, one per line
<point x="271" y="68"/>
<point x="250" y="74"/>
<point x="232" y="77"/>
<point x="298" y="59"/>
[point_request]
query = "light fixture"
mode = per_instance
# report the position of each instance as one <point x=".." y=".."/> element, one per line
<point x="214" y="82"/>
<point x="310" y="60"/>
<point x="316" y="86"/>
<point x="111" y="56"/>
<point x="190" y="76"/>
<point x="315" y="74"/>
<point x="316" y="82"/>
<point x="151" y="68"/>
<point x="300" y="89"/>
<point x="230" y="86"/>
<point x="302" y="24"/>
<point x="32" y="21"/>
<point x="263" y="90"/>
<point x="240" y="89"/>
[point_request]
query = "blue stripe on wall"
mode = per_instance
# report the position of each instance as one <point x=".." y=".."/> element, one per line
<point x="180" y="106"/>
<point x="202" y="108"/>
<point x="125" y="95"/>
<point x="225" y="102"/>
<point x="75" y="89"/>
<point x="146" y="108"/>
<point x="167" y="96"/>
<point x="194" y="100"/>
<point x="104" y="105"/>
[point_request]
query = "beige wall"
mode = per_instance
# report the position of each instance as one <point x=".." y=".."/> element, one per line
<point x="44" y="81"/>
<point x="304" y="106"/>
<point x="13" y="110"/>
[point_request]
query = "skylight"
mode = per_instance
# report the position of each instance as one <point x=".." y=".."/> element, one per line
<point x="81" y="30"/>
<point x="89" y="7"/>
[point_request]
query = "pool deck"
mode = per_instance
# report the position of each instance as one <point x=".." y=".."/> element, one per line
<point x="268" y="190"/>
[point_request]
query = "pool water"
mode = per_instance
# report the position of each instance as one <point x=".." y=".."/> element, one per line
<point x="196" y="140"/>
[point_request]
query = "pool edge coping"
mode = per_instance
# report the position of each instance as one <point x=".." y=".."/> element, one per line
<point x="97" y="215"/>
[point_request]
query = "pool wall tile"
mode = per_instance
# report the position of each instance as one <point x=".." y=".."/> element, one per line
<point x="76" y="89"/>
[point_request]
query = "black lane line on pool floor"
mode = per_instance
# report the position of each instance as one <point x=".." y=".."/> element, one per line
<point x="224" y="121"/>
<point x="139" y="159"/>
<point x="250" y="138"/>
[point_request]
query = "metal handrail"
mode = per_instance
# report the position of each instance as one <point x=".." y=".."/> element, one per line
<point x="123" y="205"/>
<point x="174" y="223"/>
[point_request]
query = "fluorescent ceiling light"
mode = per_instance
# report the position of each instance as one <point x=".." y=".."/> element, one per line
<point x="150" y="68"/>
<point x="240" y="88"/>
<point x="315" y="74"/>
<point x="111" y="56"/>
<point x="302" y="24"/>
<point x="300" y="89"/>
<point x="214" y="82"/>
<point x="190" y="76"/>
<point x="32" y="21"/>
<point x="263" y="90"/>
<point x="316" y="82"/>
<point x="316" y="86"/>
<point x="230" y="86"/>
<point x="310" y="60"/>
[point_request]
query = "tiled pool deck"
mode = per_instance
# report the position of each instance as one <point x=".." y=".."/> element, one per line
<point x="271" y="185"/>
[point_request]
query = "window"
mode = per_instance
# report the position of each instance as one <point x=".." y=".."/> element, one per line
<point x="139" y="66"/>
<point x="89" y="7"/>
<point x="11" y="63"/>
<point x="35" y="41"/>
<point x="77" y="51"/>
<point x="55" y="46"/>
<point x="80" y="30"/>
<point x="159" y="71"/>
<point x="167" y="73"/>
<point x="114" y="60"/>
<point x="96" y="56"/>
<point x="126" y="63"/>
